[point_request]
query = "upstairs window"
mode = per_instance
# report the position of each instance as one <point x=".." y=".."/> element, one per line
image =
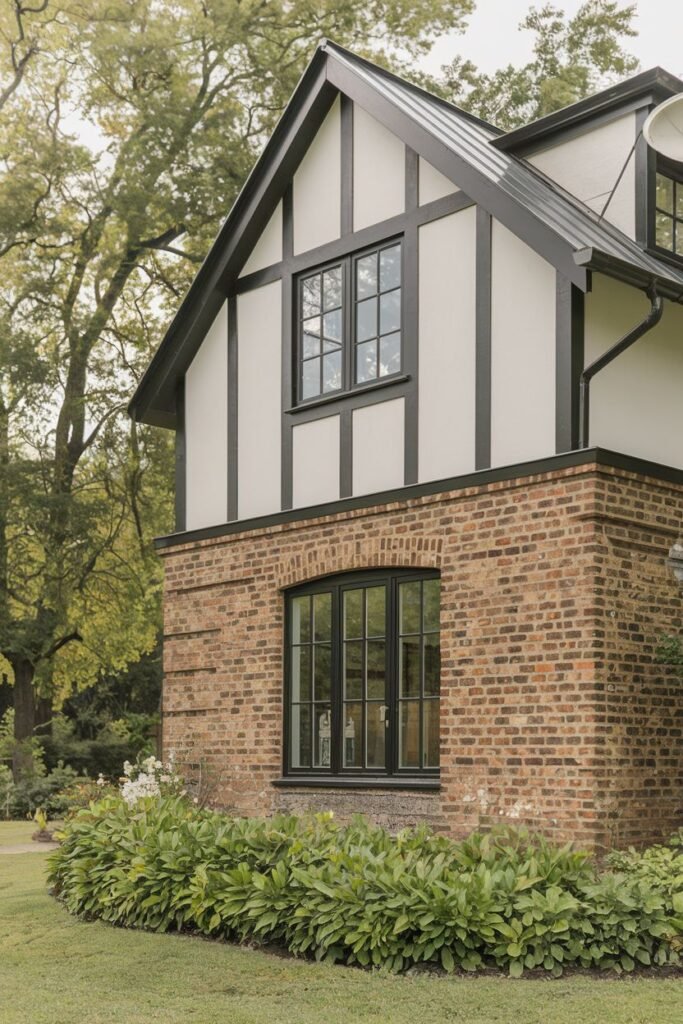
<point x="363" y="676"/>
<point x="349" y="323"/>
<point x="668" y="233"/>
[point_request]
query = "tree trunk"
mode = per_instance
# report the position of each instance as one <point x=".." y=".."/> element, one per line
<point x="24" y="714"/>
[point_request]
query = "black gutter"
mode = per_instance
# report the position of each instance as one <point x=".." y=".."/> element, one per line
<point x="645" y="325"/>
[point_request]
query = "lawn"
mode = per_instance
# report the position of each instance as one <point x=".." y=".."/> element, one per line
<point x="57" y="970"/>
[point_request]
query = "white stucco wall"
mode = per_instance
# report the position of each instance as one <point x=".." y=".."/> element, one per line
<point x="636" y="405"/>
<point x="378" y="171"/>
<point x="522" y="351"/>
<point x="268" y="249"/>
<point x="432" y="184"/>
<point x="447" y="346"/>
<point x="316" y="192"/>
<point x="589" y="164"/>
<point x="315" y="462"/>
<point x="378" y="446"/>
<point x="259" y="333"/>
<point x="206" y="429"/>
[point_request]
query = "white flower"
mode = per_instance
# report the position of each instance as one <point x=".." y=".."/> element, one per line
<point x="101" y="780"/>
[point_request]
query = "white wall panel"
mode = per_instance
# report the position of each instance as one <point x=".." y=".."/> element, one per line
<point x="259" y="333"/>
<point x="268" y="249"/>
<point x="316" y="196"/>
<point x="315" y="459"/>
<point x="588" y="166"/>
<point x="447" y="346"/>
<point x="378" y="171"/>
<point x="432" y="183"/>
<point x="636" y="405"/>
<point x="206" y="428"/>
<point x="378" y="446"/>
<point x="522" y="351"/>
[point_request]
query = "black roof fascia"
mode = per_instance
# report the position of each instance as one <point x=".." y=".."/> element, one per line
<point x="620" y="270"/>
<point x="652" y="86"/>
<point x="154" y="399"/>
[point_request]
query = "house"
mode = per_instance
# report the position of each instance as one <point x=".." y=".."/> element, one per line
<point x="416" y="573"/>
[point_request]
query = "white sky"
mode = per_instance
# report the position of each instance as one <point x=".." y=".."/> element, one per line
<point x="492" y="39"/>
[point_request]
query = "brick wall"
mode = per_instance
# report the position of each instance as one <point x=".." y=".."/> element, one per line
<point x="554" y="714"/>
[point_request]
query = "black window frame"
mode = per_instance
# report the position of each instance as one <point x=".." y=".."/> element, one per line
<point x="349" y="384"/>
<point x="673" y="171"/>
<point x="336" y="585"/>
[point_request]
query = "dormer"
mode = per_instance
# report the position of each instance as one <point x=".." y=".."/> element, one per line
<point x="595" y="150"/>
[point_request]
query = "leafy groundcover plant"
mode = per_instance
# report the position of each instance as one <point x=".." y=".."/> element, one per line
<point x="359" y="895"/>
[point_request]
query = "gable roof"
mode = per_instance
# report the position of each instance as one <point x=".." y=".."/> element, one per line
<point x="559" y="227"/>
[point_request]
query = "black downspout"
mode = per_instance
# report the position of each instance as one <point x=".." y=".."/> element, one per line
<point x="650" y="321"/>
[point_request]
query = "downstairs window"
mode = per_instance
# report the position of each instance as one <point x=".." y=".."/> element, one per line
<point x="362" y="678"/>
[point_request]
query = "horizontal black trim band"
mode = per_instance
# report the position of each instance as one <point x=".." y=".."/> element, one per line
<point x="361" y="239"/>
<point x="366" y="782"/>
<point x="479" y="478"/>
<point x="355" y="392"/>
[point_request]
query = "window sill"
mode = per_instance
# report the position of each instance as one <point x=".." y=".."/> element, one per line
<point x="338" y="396"/>
<point x="666" y="256"/>
<point x="367" y="782"/>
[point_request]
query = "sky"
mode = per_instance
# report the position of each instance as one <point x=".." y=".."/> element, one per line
<point x="492" y="39"/>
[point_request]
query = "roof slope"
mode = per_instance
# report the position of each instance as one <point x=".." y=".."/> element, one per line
<point x="561" y="228"/>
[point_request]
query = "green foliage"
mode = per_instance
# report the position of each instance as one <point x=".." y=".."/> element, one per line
<point x="572" y="58"/>
<point x="670" y="651"/>
<point x="358" y="895"/>
<point x="6" y="792"/>
<point x="45" y="790"/>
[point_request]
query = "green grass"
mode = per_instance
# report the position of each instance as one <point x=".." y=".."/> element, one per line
<point x="57" y="970"/>
<point x="14" y="832"/>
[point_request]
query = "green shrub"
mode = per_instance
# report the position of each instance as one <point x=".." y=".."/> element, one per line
<point x="358" y="895"/>
<point x="42" y="789"/>
<point x="6" y="792"/>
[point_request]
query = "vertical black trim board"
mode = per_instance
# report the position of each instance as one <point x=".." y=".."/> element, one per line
<point x="569" y="359"/>
<point x="645" y="182"/>
<point x="180" y="460"/>
<point x="412" y="179"/>
<point x="482" y="434"/>
<point x="346" y="453"/>
<point x="233" y="398"/>
<point x="288" y="353"/>
<point x="346" y="116"/>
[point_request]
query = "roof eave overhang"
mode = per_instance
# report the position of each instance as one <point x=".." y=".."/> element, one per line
<point x="604" y="263"/>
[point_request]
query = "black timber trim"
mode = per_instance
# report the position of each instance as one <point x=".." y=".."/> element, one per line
<point x="374" y="234"/>
<point x="346" y="118"/>
<point x="515" y="216"/>
<point x="479" y="478"/>
<point x="345" y="453"/>
<point x="482" y="430"/>
<point x="233" y="421"/>
<point x="569" y="360"/>
<point x="288" y="355"/>
<point x="609" y="101"/>
<point x="410" y="355"/>
<point x="363" y="782"/>
<point x="180" y="459"/>
<point x="646" y="170"/>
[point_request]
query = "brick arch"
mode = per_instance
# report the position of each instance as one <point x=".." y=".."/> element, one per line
<point x="354" y="555"/>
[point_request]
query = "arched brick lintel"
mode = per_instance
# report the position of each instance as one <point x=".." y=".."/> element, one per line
<point x="397" y="552"/>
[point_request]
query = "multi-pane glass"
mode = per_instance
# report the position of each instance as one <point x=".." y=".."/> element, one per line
<point x="377" y="314"/>
<point x="669" y="214"/>
<point x="364" y="677"/>
<point x="364" y="674"/>
<point x="321" y="332"/>
<point x="419" y="661"/>
<point x="311" y="680"/>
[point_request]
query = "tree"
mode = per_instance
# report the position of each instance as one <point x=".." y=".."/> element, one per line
<point x="97" y="244"/>
<point x="572" y="58"/>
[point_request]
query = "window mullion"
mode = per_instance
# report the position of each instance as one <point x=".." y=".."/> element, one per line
<point x="336" y="710"/>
